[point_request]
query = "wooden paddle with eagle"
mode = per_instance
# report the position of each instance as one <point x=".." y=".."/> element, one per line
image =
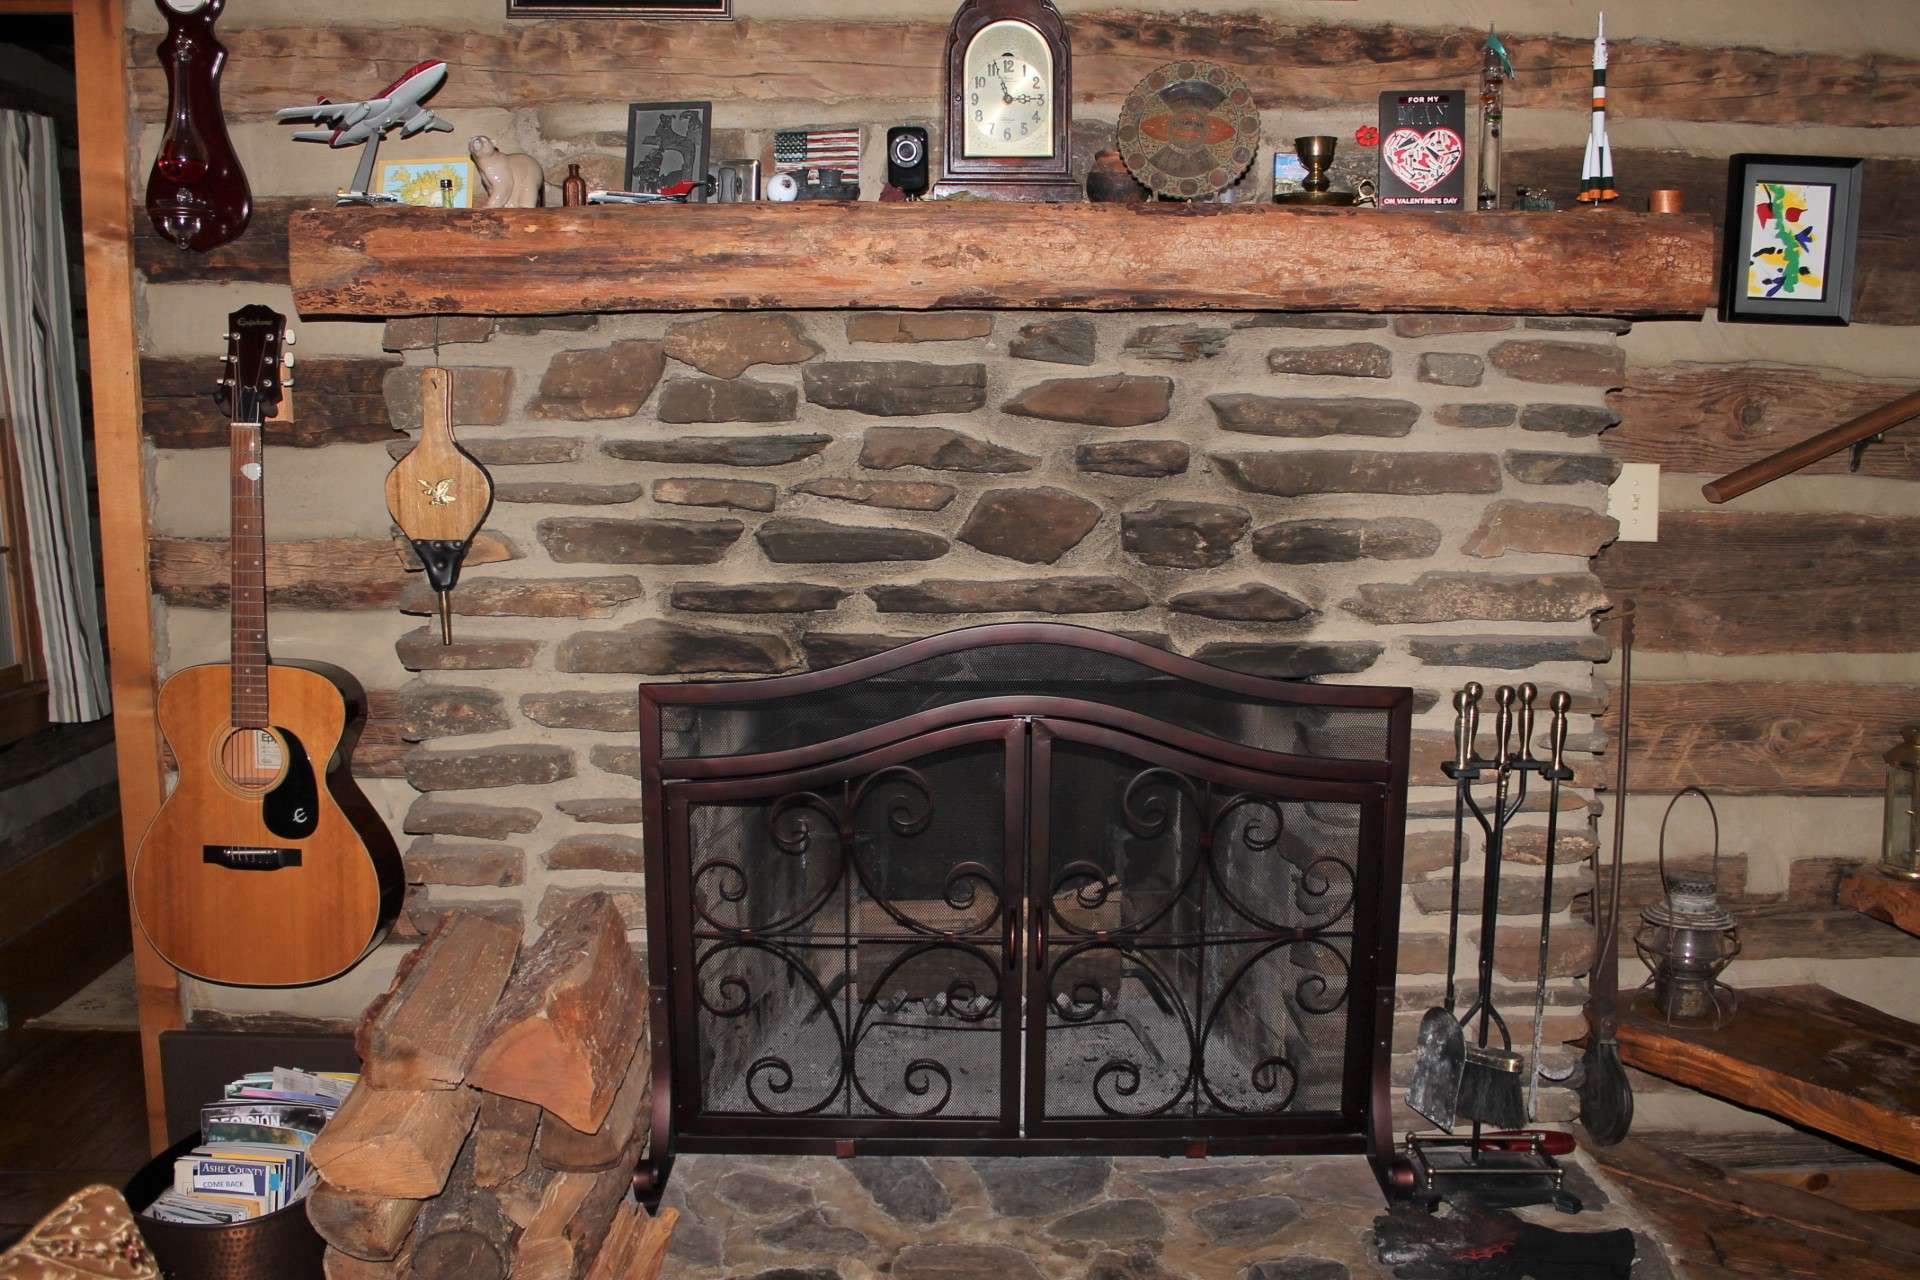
<point x="266" y="866"/>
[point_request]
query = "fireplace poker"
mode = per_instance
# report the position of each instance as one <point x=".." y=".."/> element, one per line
<point x="1557" y="772"/>
<point x="1606" y="1096"/>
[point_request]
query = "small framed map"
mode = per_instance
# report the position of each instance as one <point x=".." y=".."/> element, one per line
<point x="1792" y="224"/>
<point x="417" y="182"/>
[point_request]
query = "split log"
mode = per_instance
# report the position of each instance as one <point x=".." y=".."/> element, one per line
<point x="564" y="1147"/>
<point x="422" y="1034"/>
<point x="1712" y="584"/>
<point x="462" y="1234"/>
<point x="339" y="1265"/>
<point x="1095" y="257"/>
<point x="503" y="1139"/>
<point x="573" y="1220"/>
<point x="395" y="1142"/>
<point x="563" y="1033"/>
<point x="636" y="1246"/>
<point x="371" y="1228"/>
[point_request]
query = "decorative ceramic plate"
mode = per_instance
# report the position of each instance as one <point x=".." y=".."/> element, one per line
<point x="1189" y="129"/>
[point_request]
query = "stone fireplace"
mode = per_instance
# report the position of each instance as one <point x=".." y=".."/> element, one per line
<point x="1388" y="500"/>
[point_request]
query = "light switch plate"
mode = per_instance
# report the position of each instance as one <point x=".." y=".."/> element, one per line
<point x="1634" y="500"/>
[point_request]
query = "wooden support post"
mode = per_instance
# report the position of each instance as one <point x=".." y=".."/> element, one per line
<point x="106" y="205"/>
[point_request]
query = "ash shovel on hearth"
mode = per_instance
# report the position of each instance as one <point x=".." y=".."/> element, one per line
<point x="1439" y="1056"/>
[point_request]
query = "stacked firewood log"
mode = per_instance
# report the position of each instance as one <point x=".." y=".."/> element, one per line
<point x="500" y="1112"/>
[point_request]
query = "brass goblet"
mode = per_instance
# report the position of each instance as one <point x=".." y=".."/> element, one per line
<point x="1316" y="152"/>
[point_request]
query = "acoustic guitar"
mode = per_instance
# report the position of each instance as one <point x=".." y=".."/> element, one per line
<point x="266" y="866"/>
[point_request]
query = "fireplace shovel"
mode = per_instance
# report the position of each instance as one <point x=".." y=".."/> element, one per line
<point x="1440" y="1054"/>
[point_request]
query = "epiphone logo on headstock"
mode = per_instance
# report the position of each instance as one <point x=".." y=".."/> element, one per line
<point x="255" y="322"/>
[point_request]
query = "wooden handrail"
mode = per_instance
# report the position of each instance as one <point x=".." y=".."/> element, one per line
<point x="1811" y="450"/>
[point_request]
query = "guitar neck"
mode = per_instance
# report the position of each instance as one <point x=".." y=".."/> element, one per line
<point x="248" y="549"/>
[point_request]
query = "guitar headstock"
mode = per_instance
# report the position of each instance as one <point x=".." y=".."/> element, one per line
<point x="251" y="377"/>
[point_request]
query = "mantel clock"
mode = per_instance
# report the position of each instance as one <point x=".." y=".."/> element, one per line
<point x="1009" y="102"/>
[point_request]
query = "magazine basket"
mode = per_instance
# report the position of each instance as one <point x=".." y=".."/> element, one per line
<point x="282" y="1245"/>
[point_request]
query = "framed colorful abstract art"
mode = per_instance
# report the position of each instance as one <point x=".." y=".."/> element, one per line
<point x="1792" y="227"/>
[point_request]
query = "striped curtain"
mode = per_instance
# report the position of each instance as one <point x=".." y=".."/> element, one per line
<point x="40" y="379"/>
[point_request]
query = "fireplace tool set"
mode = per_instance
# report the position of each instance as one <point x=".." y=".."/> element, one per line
<point x="1460" y="1071"/>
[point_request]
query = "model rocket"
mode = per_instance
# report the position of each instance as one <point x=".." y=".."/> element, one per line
<point x="1596" y="170"/>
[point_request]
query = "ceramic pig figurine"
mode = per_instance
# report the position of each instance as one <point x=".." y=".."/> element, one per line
<point x="511" y="180"/>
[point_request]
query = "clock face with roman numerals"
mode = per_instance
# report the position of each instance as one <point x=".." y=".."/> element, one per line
<point x="1008" y="92"/>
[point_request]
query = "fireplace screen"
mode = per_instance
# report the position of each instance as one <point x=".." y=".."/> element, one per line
<point x="1023" y="887"/>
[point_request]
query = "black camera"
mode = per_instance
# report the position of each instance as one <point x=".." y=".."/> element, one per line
<point x="907" y="158"/>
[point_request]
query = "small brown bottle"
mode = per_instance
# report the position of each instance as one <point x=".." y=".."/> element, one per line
<point x="573" y="190"/>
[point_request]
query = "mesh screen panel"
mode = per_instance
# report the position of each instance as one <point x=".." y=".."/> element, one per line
<point x="1046" y="670"/>
<point x="1220" y="985"/>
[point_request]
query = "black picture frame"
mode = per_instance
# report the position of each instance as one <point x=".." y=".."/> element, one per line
<point x="717" y="9"/>
<point x="650" y="162"/>
<point x="1832" y="180"/>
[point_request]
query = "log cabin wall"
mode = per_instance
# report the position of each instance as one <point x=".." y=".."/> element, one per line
<point x="865" y="456"/>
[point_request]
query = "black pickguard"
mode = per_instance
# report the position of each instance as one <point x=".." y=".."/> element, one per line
<point x="292" y="809"/>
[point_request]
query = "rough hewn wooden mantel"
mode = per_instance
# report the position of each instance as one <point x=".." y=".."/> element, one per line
<point x="391" y="262"/>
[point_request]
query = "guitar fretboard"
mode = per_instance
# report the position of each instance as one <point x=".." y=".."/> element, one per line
<point x="249" y="599"/>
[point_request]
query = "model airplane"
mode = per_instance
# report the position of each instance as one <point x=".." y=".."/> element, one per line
<point x="1596" y="168"/>
<point x="397" y="105"/>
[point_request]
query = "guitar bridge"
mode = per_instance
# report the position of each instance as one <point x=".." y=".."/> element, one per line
<point x="249" y="857"/>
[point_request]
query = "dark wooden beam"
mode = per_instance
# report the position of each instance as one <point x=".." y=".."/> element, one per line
<point x="986" y="254"/>
<point x="1716" y="1223"/>
<point x="1736" y="582"/>
<point x="1712" y="418"/>
<point x="822" y="64"/>
<point x="259" y="256"/>
<point x="1762" y="737"/>
<point x="341" y="401"/>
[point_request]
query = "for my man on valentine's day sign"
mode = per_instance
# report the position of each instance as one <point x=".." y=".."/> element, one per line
<point x="1423" y="149"/>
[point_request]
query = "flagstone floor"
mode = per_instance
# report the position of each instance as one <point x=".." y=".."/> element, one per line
<point x="1032" y="1218"/>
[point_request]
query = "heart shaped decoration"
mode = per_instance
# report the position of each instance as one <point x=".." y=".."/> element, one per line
<point x="1422" y="160"/>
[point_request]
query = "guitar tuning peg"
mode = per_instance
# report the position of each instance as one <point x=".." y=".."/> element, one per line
<point x="286" y="359"/>
<point x="290" y="335"/>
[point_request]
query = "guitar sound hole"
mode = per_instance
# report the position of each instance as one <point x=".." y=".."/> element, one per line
<point x="252" y="759"/>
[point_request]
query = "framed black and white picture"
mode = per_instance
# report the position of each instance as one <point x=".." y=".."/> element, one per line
<point x="619" y="8"/>
<point x="1793" y="223"/>
<point x="667" y="144"/>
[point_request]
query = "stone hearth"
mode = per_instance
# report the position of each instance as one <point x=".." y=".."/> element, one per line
<point x="1070" y="1218"/>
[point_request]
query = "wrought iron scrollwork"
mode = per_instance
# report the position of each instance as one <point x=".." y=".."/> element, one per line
<point x="827" y="829"/>
<point x="1158" y="804"/>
